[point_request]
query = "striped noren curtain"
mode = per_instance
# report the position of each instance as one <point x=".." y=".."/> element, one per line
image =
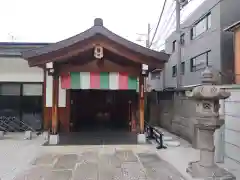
<point x="103" y="80"/>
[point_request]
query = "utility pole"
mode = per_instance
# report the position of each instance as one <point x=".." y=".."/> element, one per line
<point x="179" y="4"/>
<point x="148" y="36"/>
<point x="178" y="43"/>
<point x="147" y="44"/>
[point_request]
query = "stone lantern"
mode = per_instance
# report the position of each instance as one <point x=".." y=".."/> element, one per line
<point x="207" y="98"/>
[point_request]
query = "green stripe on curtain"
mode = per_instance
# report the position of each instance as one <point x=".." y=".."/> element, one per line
<point x="75" y="80"/>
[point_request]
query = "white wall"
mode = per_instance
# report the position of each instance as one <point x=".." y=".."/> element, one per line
<point x="16" y="69"/>
<point x="49" y="96"/>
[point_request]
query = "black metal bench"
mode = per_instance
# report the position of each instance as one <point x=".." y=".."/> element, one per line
<point x="153" y="133"/>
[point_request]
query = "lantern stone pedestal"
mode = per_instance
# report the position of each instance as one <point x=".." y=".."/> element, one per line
<point x="207" y="98"/>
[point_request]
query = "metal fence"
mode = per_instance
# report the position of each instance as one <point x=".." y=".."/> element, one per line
<point x="11" y="122"/>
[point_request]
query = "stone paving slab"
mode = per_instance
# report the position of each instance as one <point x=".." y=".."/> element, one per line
<point x="47" y="159"/>
<point x="59" y="175"/>
<point x="133" y="171"/>
<point x="109" y="160"/>
<point x="67" y="161"/>
<point x="94" y="165"/>
<point x="45" y="173"/>
<point x="88" y="156"/>
<point x="109" y="173"/>
<point x="158" y="169"/>
<point x="126" y="156"/>
<point x="35" y="173"/>
<point x="86" y="171"/>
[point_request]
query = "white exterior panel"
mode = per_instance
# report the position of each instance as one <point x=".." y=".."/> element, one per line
<point x="61" y="96"/>
<point x="49" y="90"/>
<point x="16" y="69"/>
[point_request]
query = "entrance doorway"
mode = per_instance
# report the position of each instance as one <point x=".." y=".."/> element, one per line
<point x="100" y="110"/>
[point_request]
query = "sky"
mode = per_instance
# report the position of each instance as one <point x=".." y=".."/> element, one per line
<point x="55" y="20"/>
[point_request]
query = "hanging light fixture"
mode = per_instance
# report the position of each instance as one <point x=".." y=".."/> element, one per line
<point x="144" y="69"/>
<point x="49" y="67"/>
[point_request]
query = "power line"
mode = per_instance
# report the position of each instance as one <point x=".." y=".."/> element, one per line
<point x="173" y="14"/>
<point x="168" y="29"/>
<point x="190" y="15"/>
<point x="171" y="22"/>
<point x="159" y="20"/>
<point x="165" y="24"/>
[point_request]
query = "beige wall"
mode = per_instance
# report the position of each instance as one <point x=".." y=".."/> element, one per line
<point x="237" y="56"/>
<point x="16" y="69"/>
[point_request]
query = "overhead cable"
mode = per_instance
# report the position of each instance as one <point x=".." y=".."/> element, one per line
<point x="159" y="20"/>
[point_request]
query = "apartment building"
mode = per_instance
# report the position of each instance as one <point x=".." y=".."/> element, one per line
<point x="203" y="43"/>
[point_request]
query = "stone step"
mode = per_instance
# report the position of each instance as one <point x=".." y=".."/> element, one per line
<point x="172" y="143"/>
<point x="167" y="138"/>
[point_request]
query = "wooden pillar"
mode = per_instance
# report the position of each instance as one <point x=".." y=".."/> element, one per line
<point x="68" y="108"/>
<point x="141" y="103"/>
<point x="45" y="112"/>
<point x="55" y="92"/>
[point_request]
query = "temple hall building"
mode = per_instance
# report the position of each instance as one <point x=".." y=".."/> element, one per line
<point x="91" y="81"/>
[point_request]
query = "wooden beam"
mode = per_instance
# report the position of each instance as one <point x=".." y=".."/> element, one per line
<point x="60" y="55"/>
<point x="136" y="57"/>
<point x="55" y="104"/>
<point x="141" y="103"/>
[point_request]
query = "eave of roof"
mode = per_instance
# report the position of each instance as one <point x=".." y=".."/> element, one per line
<point x="98" y="28"/>
<point x="14" y="49"/>
<point x="233" y="27"/>
<point x="22" y="44"/>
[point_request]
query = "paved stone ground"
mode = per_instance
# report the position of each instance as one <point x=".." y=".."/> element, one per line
<point x="100" y="164"/>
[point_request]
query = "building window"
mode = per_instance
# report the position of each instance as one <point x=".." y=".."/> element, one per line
<point x="202" y="26"/>
<point x="182" y="39"/>
<point x="182" y="68"/>
<point x="174" y="46"/>
<point x="199" y="62"/>
<point x="174" y="71"/>
<point x="32" y="89"/>
<point x="155" y="75"/>
<point x="10" y="89"/>
<point x="209" y="21"/>
<point x="21" y="103"/>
